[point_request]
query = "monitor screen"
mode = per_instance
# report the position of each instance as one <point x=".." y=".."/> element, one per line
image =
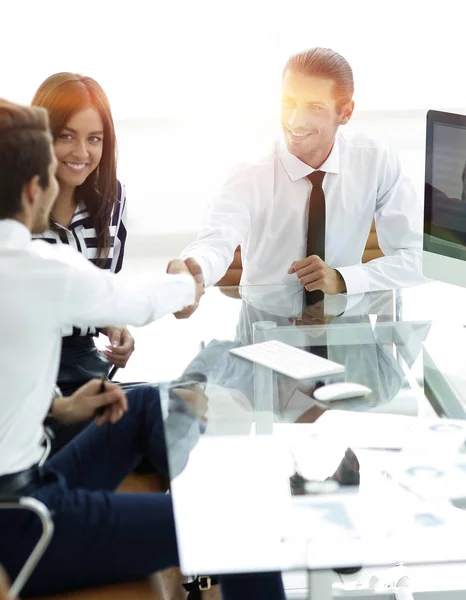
<point x="445" y="185"/>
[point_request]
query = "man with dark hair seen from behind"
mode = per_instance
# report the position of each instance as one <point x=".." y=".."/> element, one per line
<point x="100" y="537"/>
<point x="303" y="213"/>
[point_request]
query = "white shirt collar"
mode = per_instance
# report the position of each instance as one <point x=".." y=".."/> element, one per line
<point x="297" y="169"/>
<point x="13" y="234"/>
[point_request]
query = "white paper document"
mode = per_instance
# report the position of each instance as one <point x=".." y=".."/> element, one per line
<point x="351" y="529"/>
<point x="439" y="478"/>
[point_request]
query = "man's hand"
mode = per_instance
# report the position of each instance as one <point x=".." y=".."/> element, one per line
<point x="314" y="274"/>
<point x="121" y="346"/>
<point x="3" y="585"/>
<point x="313" y="315"/>
<point x="82" y="405"/>
<point x="191" y="267"/>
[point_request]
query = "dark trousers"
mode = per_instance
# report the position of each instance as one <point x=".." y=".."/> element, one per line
<point x="101" y="537"/>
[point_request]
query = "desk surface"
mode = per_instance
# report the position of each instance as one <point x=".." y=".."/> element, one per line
<point x="234" y="511"/>
<point x="232" y="491"/>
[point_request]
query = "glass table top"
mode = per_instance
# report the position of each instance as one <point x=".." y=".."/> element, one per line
<point x="369" y="339"/>
<point x="256" y="460"/>
<point x="253" y="455"/>
<point x="406" y="345"/>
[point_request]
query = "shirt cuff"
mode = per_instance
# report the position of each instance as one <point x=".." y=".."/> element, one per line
<point x="356" y="301"/>
<point x="355" y="278"/>
<point x="189" y="289"/>
<point x="171" y="293"/>
<point x="339" y="304"/>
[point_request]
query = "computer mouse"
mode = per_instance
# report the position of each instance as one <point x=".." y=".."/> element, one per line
<point x="342" y="390"/>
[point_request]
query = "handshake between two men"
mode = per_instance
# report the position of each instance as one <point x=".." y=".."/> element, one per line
<point x="190" y="267"/>
<point x="312" y="273"/>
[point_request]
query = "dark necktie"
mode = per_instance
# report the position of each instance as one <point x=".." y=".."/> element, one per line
<point x="316" y="227"/>
<point x="316" y="240"/>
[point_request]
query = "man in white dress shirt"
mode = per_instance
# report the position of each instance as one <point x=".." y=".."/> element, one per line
<point x="264" y="205"/>
<point x="99" y="537"/>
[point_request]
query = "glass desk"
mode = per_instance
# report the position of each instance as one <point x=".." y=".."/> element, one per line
<point x="165" y="348"/>
<point x="377" y="345"/>
<point x="254" y="429"/>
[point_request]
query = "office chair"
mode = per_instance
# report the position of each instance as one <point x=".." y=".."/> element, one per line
<point x="41" y="511"/>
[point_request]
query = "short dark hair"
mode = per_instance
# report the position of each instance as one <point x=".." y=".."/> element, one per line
<point x="327" y="64"/>
<point x="25" y="152"/>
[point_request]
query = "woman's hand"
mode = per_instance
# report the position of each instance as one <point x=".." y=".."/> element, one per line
<point x="121" y="346"/>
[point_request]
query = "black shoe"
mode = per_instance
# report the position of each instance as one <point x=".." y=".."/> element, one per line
<point x="198" y="585"/>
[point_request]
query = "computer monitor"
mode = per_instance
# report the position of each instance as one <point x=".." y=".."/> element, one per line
<point x="445" y="198"/>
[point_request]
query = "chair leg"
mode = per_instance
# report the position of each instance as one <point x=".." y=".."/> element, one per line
<point x="42" y="512"/>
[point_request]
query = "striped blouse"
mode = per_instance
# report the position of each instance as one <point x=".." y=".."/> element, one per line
<point x="82" y="237"/>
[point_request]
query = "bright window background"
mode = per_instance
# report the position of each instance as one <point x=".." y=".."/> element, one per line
<point x="194" y="85"/>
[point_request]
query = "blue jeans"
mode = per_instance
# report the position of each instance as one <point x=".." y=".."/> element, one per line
<point x="101" y="537"/>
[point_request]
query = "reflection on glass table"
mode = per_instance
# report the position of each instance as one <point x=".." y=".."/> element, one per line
<point x="250" y="444"/>
<point x="374" y="348"/>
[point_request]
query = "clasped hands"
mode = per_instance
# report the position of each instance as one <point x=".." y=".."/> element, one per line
<point x="190" y="267"/>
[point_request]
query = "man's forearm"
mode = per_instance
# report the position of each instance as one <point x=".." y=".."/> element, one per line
<point x="214" y="262"/>
<point x="399" y="270"/>
<point x="98" y="298"/>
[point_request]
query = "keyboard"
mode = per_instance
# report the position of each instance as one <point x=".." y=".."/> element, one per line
<point x="288" y="360"/>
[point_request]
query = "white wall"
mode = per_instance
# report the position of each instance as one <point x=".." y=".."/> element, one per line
<point x="172" y="170"/>
<point x="194" y="85"/>
<point x="206" y="59"/>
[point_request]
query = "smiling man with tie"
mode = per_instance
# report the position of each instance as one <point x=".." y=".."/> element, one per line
<point x="305" y="211"/>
